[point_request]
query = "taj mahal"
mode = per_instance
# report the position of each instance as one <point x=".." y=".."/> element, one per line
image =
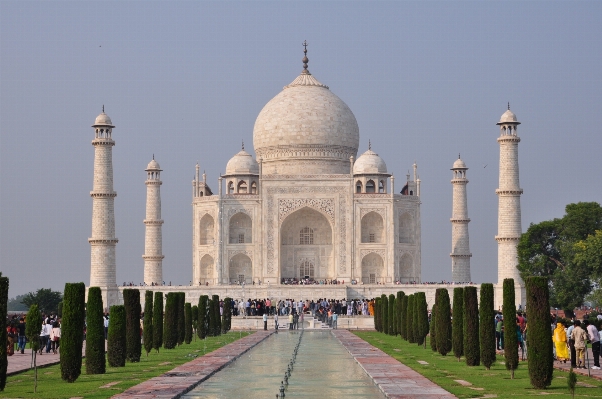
<point x="307" y="216"/>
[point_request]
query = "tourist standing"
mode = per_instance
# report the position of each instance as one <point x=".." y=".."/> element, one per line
<point x="580" y="337"/>
<point x="276" y="321"/>
<point x="265" y="321"/>
<point x="55" y="337"/>
<point x="594" y="338"/>
<point x="569" y="333"/>
<point x="21" y="331"/>
<point x="334" y="321"/>
<point x="290" y="321"/>
<point x="560" y="342"/>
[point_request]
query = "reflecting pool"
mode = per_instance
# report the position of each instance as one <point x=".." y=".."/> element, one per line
<point x="323" y="369"/>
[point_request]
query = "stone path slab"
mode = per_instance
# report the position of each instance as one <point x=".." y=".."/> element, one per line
<point x="19" y="363"/>
<point x="395" y="380"/>
<point x="184" y="378"/>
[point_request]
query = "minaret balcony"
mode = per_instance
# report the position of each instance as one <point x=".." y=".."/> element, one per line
<point x="459" y="220"/>
<point x="509" y="192"/>
<point x="153" y="222"/>
<point x="506" y="238"/>
<point x="95" y="194"/>
<point x="103" y="241"/>
<point x="103" y="141"/>
<point x="508" y="139"/>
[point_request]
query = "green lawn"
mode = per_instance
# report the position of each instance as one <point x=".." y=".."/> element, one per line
<point x="443" y="370"/>
<point x="50" y="384"/>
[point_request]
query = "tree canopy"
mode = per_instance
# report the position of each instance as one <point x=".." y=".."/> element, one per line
<point x="46" y="299"/>
<point x="567" y="251"/>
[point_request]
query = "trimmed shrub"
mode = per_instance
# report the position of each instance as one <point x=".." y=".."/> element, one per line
<point x="131" y="301"/>
<point x="487" y="325"/>
<point x="404" y="317"/>
<point x="96" y="362"/>
<point x="202" y="326"/>
<point x="472" y="350"/>
<point x="212" y="331"/>
<point x="116" y="342"/>
<point x="181" y="317"/>
<point x="432" y="329"/>
<point x="72" y="331"/>
<point x="391" y="315"/>
<point x="188" y="323"/>
<point x="218" y="316"/>
<point x="458" y="323"/>
<point x="443" y="322"/>
<point x="410" y="320"/>
<point x="195" y="319"/>
<point x="158" y="321"/>
<point x="398" y="312"/>
<point x="227" y="315"/>
<point x="510" y="337"/>
<point x="539" y="338"/>
<point x="3" y="334"/>
<point x="422" y="318"/>
<point x="147" y="328"/>
<point x="385" y="313"/>
<point x="377" y="314"/>
<point x="170" y="326"/>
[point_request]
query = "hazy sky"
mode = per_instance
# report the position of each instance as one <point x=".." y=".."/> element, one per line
<point x="186" y="80"/>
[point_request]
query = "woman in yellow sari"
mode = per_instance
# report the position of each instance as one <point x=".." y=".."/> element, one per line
<point x="559" y="338"/>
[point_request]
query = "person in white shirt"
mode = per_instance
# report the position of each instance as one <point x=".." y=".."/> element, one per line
<point x="594" y="338"/>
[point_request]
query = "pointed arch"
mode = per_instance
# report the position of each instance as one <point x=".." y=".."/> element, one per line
<point x="241" y="269"/>
<point x="206" y="230"/>
<point x="240" y="229"/>
<point x="406" y="228"/>
<point x="373" y="268"/>
<point x="230" y="187"/>
<point x="370" y="186"/>
<point x="207" y="270"/>
<point x="254" y="187"/>
<point x="406" y="267"/>
<point x="242" y="187"/>
<point x="359" y="187"/>
<point x="373" y="228"/>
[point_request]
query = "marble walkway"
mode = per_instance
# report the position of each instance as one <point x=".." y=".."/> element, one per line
<point x="394" y="379"/>
<point x="184" y="378"/>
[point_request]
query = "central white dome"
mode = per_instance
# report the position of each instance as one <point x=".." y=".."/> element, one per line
<point x="306" y="129"/>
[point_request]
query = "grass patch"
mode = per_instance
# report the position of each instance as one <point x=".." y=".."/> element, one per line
<point x="443" y="370"/>
<point x="116" y="379"/>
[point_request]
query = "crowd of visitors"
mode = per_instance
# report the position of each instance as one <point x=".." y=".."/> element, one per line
<point x="49" y="337"/>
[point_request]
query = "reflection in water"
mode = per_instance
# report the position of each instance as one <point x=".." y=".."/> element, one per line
<point x="323" y="369"/>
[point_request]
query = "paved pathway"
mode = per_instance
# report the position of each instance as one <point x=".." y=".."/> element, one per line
<point x="187" y="376"/>
<point x="597" y="374"/>
<point x="18" y="362"/>
<point x="395" y="379"/>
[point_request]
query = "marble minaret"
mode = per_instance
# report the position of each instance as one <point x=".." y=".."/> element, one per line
<point x="103" y="241"/>
<point x="460" y="244"/>
<point x="153" y="242"/>
<point x="509" y="213"/>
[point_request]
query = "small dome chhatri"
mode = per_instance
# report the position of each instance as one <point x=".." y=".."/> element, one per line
<point x="369" y="163"/>
<point x="103" y="120"/>
<point x="153" y="165"/>
<point x="242" y="164"/>
<point x="508" y="117"/>
<point x="459" y="164"/>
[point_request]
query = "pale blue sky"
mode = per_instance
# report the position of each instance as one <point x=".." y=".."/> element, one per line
<point x="186" y="80"/>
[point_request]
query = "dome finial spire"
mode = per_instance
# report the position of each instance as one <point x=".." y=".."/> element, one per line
<point x="369" y="145"/>
<point x="508" y="105"/>
<point x="103" y="108"/>
<point x="153" y="157"/>
<point x="458" y="155"/>
<point x="243" y="144"/>
<point x="305" y="59"/>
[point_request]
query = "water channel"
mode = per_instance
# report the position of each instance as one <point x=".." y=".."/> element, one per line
<point x="322" y="369"/>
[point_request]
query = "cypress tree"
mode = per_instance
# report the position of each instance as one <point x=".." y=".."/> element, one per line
<point x="188" y="322"/>
<point x="170" y="326"/>
<point x="202" y="317"/>
<point x="195" y="319"/>
<point x="432" y="328"/>
<point x="410" y="320"/>
<point x="377" y="313"/>
<point x="212" y="319"/>
<point x="398" y="312"/>
<point x="404" y="317"/>
<point x="487" y="325"/>
<point x="131" y="301"/>
<point x="472" y="350"/>
<point x="443" y="322"/>
<point x="391" y="315"/>
<point x="72" y="331"/>
<point x="422" y="319"/>
<point x="3" y="334"/>
<point x="458" y="323"/>
<point x="227" y="315"/>
<point x="181" y="317"/>
<point x="147" y="330"/>
<point x="95" y="333"/>
<point x="116" y="342"/>
<point x="415" y="328"/>
<point x="218" y="316"/>
<point x="510" y="337"/>
<point x="539" y="338"/>
<point x="158" y="321"/>
<point x="385" y="313"/>
<point x="32" y="332"/>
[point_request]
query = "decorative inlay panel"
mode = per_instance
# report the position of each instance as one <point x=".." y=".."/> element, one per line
<point x="235" y="252"/>
<point x="234" y="211"/>
<point x="364" y="211"/>
<point x="365" y="252"/>
<point x="287" y="206"/>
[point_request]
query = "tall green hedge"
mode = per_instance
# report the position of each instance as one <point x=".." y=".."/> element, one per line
<point x="95" y="333"/>
<point x="214" y="317"/>
<point x="158" y="321"/>
<point x="195" y="319"/>
<point x="539" y="338"/>
<point x="218" y="316"/>
<point x="147" y="327"/>
<point x="404" y="317"/>
<point x="116" y="341"/>
<point x="181" y="317"/>
<point x="170" y="326"/>
<point x="432" y="329"/>
<point x="227" y="315"/>
<point x="385" y="313"/>
<point x="391" y="310"/>
<point x="443" y="322"/>
<point x="202" y="323"/>
<point x="398" y="312"/>
<point x="487" y="325"/>
<point x="410" y="319"/>
<point x="510" y="337"/>
<point x="377" y="313"/>
<point x="131" y="301"/>
<point x="422" y="318"/>
<point x="458" y="323"/>
<point x="188" y="322"/>
<point x="72" y="330"/>
<point x="3" y="335"/>
<point x="472" y="350"/>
